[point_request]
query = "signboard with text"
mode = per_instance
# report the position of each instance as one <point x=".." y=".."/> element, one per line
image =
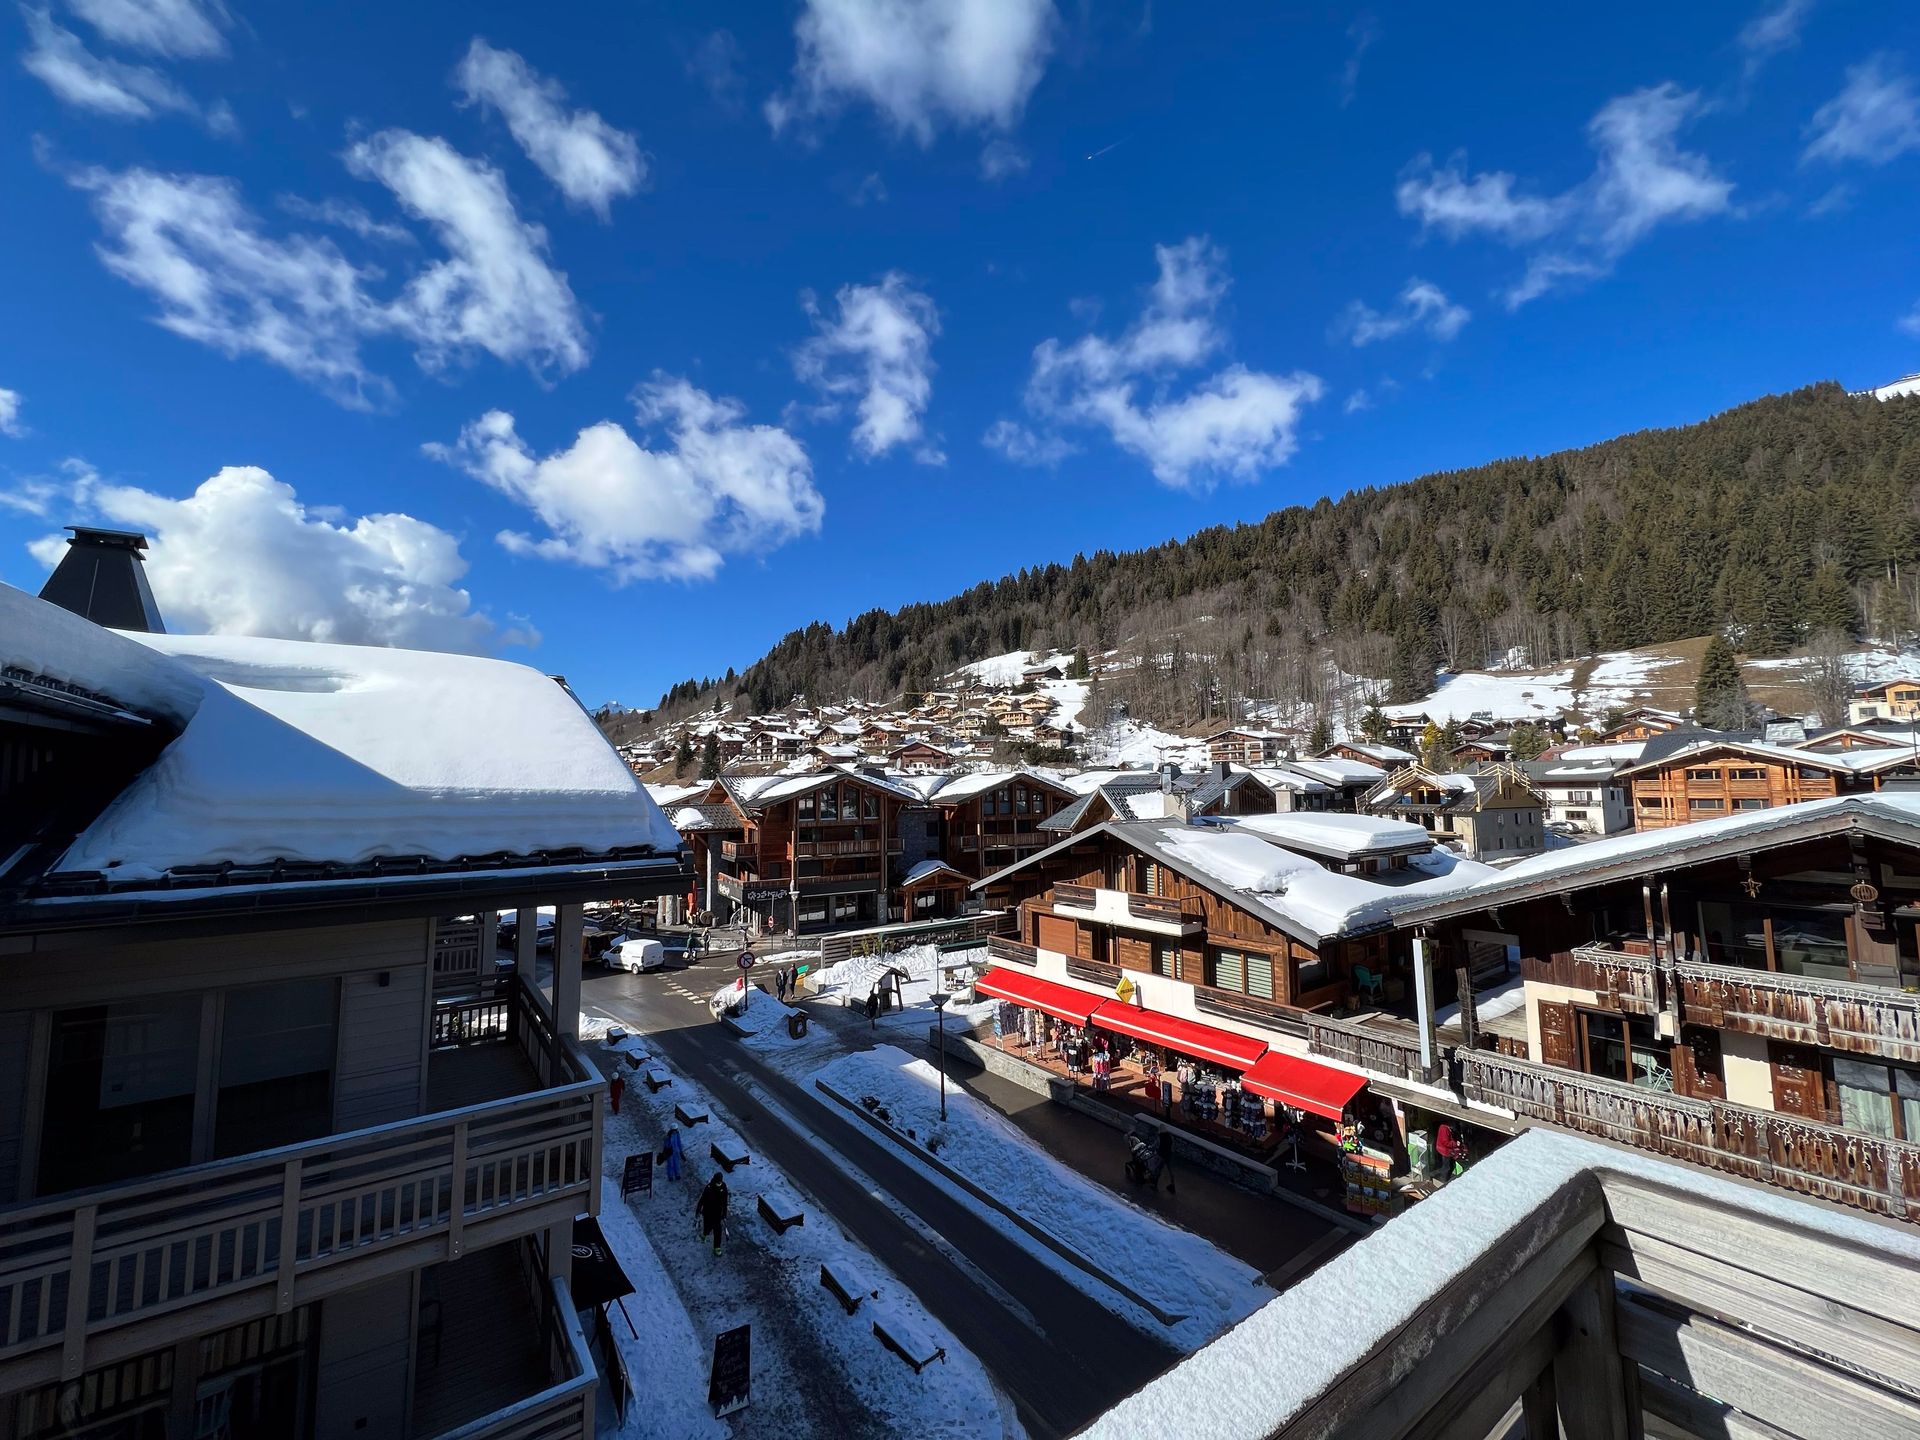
<point x="730" y="1381"/>
<point x="638" y="1175"/>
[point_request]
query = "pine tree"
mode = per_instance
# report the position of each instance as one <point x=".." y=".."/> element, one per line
<point x="683" y="757"/>
<point x="1527" y="742"/>
<point x="1430" y="747"/>
<point x="1829" y="603"/>
<point x="1079" y="670"/>
<point x="1321" y="739"/>
<point x="710" y="759"/>
<point x="1720" y="696"/>
<point x="1373" y="724"/>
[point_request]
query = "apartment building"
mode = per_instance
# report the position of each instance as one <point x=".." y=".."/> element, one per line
<point x="1691" y="775"/>
<point x="279" y="1155"/>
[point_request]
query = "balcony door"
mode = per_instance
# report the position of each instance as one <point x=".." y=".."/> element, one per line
<point x="121" y="1083"/>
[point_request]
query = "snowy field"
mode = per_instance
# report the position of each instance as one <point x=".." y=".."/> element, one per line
<point x="816" y="1369"/>
<point x="1178" y="1271"/>
<point x="1615" y="679"/>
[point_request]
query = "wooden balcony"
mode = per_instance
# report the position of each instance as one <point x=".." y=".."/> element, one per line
<point x="1078" y="897"/>
<point x="1367" y="1047"/>
<point x="739" y="850"/>
<point x="1860" y="1019"/>
<point x="458" y="964"/>
<point x="504" y="1368"/>
<point x="1843" y="1166"/>
<point x="83" y="1275"/>
<point x="1629" y="983"/>
<point x="1550" y="1293"/>
<point x="1011" y="952"/>
<point x="1124" y="908"/>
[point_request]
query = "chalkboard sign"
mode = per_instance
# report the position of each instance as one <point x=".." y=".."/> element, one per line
<point x="638" y="1175"/>
<point x="730" y="1382"/>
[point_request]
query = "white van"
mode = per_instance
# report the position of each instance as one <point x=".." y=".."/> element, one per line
<point x="635" y="954"/>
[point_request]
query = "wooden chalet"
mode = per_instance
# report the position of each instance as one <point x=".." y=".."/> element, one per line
<point x="1699" y="777"/>
<point x="1743" y="994"/>
<point x="1495" y="811"/>
<point x="1244" y="746"/>
<point x="1642" y="723"/>
<point x="920" y="757"/>
<point x="1369" y="752"/>
<point x="1889" y="700"/>
<point x="992" y="820"/>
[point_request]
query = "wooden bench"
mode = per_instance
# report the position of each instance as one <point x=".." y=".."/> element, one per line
<point x="846" y="1282"/>
<point x="902" y="1334"/>
<point x="656" y="1077"/>
<point x="691" y="1112"/>
<point x="728" y="1151"/>
<point x="781" y="1211"/>
<point x="634" y="1058"/>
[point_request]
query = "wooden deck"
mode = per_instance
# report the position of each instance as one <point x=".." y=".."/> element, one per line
<point x="477" y="1075"/>
<point x="489" y="1351"/>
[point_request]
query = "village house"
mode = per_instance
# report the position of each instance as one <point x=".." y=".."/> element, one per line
<point x="1888" y="700"/>
<point x="1219" y="958"/>
<point x="1349" y="779"/>
<point x="1369" y="752"/>
<point x="1643" y="722"/>
<point x="1493" y="813"/>
<point x="1582" y="788"/>
<point x="920" y="757"/>
<point x="1247" y="746"/>
<point x="263" y="1087"/>
<point x="1739" y="993"/>
<point x="1692" y="775"/>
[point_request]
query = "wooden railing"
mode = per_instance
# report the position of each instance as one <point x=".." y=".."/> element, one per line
<point x="1560" y="1294"/>
<point x="809" y="849"/>
<point x="1269" y="1014"/>
<point x="1017" y="839"/>
<point x="1153" y="907"/>
<point x="456" y="956"/>
<point x="1861" y="1019"/>
<point x="1367" y="1047"/>
<point x="739" y="850"/>
<point x="1865" y="1171"/>
<point x="1081" y="897"/>
<point x="1012" y="952"/>
<point x="257" y="1230"/>
<point x="1623" y="982"/>
<point x="565" y="1409"/>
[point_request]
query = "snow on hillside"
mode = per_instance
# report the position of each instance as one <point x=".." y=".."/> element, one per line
<point x="1905" y="385"/>
<point x="1005" y="669"/>
<point x="1068" y="697"/>
<point x="1618" y="678"/>
<point x="1871" y="666"/>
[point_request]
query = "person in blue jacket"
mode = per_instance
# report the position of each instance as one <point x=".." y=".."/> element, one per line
<point x="670" y="1152"/>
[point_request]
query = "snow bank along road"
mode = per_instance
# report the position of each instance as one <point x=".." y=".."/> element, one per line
<point x="1061" y="1354"/>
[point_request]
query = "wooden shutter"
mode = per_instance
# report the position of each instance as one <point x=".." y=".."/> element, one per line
<point x="1557" y="1039"/>
<point x="1799" y="1080"/>
<point x="1133" y="953"/>
<point x="1057" y="934"/>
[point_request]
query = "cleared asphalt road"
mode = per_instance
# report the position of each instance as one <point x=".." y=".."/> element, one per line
<point x="1056" y="1350"/>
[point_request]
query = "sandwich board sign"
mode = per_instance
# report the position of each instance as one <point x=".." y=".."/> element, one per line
<point x="730" y="1382"/>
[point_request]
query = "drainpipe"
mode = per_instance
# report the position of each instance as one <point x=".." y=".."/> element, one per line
<point x="1423" y="999"/>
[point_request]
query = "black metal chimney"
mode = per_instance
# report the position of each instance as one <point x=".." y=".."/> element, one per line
<point x="103" y="577"/>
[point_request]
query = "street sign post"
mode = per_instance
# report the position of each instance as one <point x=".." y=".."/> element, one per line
<point x="746" y="960"/>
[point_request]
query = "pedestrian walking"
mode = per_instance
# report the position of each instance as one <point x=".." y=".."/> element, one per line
<point x="670" y="1154"/>
<point x="711" y="1207"/>
<point x="1165" y="1144"/>
<point x="873" y="1008"/>
<point x="616" y="1087"/>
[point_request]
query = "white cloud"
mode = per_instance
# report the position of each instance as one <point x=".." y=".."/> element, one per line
<point x="1910" y="322"/>
<point x="920" y="63"/>
<point x="61" y="62"/>
<point x="1024" y="446"/>
<point x="184" y="29"/>
<point x="242" y="556"/>
<point x="1421" y="305"/>
<point x="1362" y="32"/>
<point x="1000" y="158"/>
<point x="495" y="290"/>
<point x="1641" y="179"/>
<point x="591" y="162"/>
<point x="1875" y="117"/>
<point x="876" y="351"/>
<point x="298" y="302"/>
<point x="1233" y="423"/>
<point x="190" y="242"/>
<point x="1773" y="30"/>
<point x="715" y="63"/>
<point x="345" y="215"/>
<point x="1356" y="402"/>
<point x="10" y="402"/>
<point x="718" y="486"/>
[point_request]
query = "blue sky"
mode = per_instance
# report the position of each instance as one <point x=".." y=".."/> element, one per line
<point x="600" y="338"/>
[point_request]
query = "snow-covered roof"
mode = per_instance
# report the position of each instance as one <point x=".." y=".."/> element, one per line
<point x="1620" y="856"/>
<point x="41" y="639"/>
<point x="1347" y="836"/>
<point x="1336" y="770"/>
<point x="669" y="797"/>
<point x="342" y="754"/>
<point x="964" y="787"/>
<point x="1863" y="760"/>
<point x="1373" y="749"/>
<point x="926" y="869"/>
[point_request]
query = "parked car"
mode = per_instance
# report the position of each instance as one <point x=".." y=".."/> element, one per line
<point x="636" y="954"/>
<point x="510" y="930"/>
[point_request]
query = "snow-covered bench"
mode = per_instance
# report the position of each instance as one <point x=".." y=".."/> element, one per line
<point x="847" y="1283"/>
<point x="781" y="1210"/>
<point x="728" y="1151"/>
<point x="657" y="1077"/>
<point x="903" y="1334"/>
<point x="691" y="1112"/>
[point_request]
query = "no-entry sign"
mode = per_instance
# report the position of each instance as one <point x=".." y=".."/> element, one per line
<point x="746" y="961"/>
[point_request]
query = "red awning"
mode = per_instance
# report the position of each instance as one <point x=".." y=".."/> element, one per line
<point x="1222" y="1047"/>
<point x="1303" y="1084"/>
<point x="1063" y="1002"/>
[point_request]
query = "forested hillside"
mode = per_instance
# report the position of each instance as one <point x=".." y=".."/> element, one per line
<point x="1791" y="515"/>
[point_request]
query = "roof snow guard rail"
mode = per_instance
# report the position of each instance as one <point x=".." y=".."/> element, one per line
<point x="296" y="872"/>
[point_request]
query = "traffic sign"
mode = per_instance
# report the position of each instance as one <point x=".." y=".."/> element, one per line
<point x="746" y="961"/>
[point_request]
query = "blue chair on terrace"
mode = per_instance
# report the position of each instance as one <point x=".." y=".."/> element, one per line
<point x="1366" y="983"/>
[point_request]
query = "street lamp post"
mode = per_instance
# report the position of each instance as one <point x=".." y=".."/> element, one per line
<point x="940" y="999"/>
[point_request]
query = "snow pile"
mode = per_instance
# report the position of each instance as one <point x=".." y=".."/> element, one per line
<point x="42" y="639"/>
<point x="1175" y="1269"/>
<point x="342" y="753"/>
<point x="750" y="1008"/>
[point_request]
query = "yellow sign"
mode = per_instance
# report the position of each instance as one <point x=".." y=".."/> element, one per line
<point x="1124" y="990"/>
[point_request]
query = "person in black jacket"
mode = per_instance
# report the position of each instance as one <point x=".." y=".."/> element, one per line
<point x="711" y="1207"/>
